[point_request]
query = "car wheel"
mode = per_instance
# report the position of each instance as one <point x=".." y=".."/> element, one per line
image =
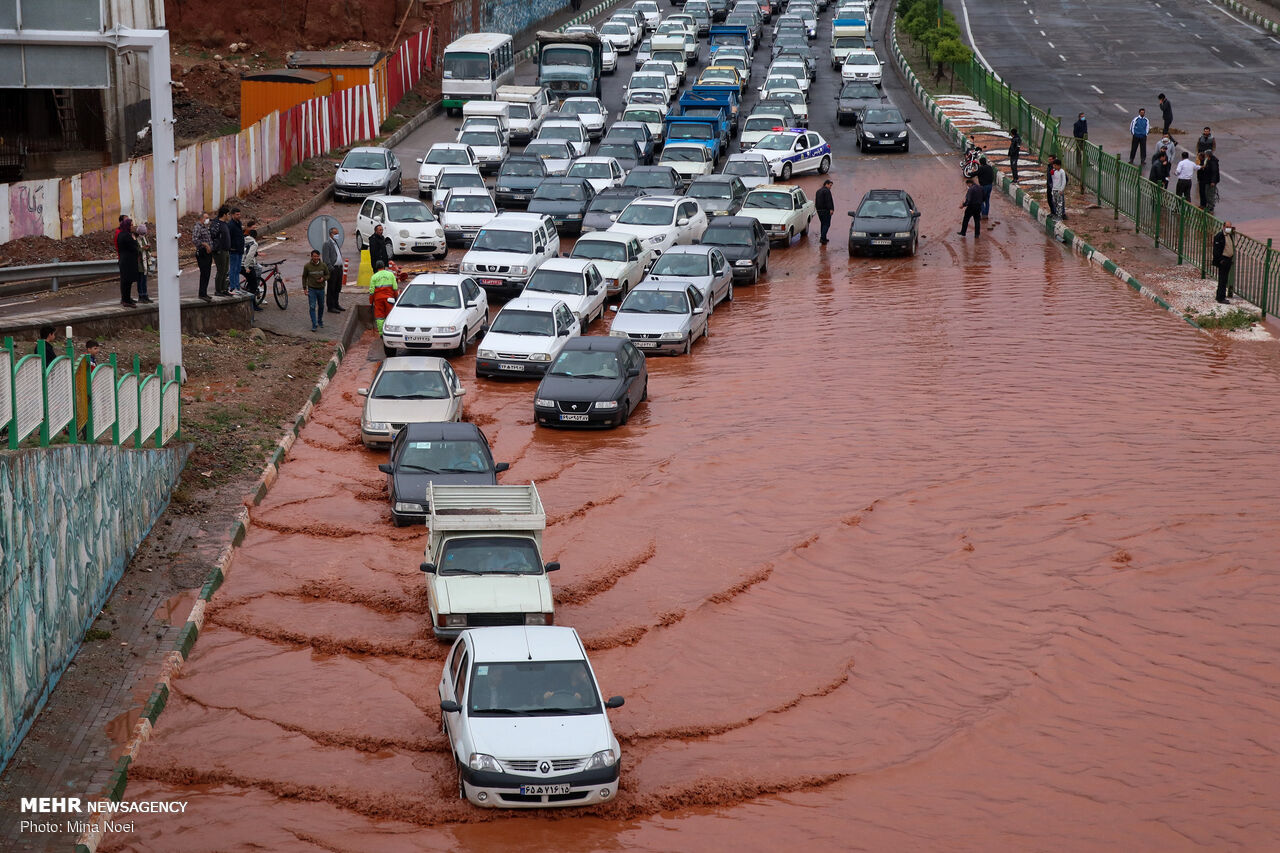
<point x="360" y="243"/>
<point x="728" y="297"/>
<point x="462" y="792"/>
<point x="805" y="232"/>
<point x="466" y="339"/>
<point x="388" y="351"/>
<point x="444" y="251"/>
<point x="626" y="413"/>
<point x="915" y="245"/>
<point x="824" y="166"/>
<point x="786" y="171"/>
<point x="852" y="251"/>
<point x="688" y="345"/>
<point x="399" y="185"/>
<point x="644" y="393"/>
<point x="906" y="146"/>
<point x="764" y="267"/>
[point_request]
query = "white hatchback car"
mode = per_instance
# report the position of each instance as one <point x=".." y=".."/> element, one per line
<point x="661" y="221"/>
<point x="526" y="336"/>
<point x="440" y="155"/>
<point x="525" y="719"/>
<point x="752" y="169"/>
<point x="600" y="172"/>
<point x="608" y="57"/>
<point x="619" y="257"/>
<point x="436" y="312"/>
<point x="463" y="212"/>
<point x="414" y="389"/>
<point x="409" y="223"/>
<point x="577" y="283"/>
<point x="556" y="154"/>
<point x="621" y="36"/>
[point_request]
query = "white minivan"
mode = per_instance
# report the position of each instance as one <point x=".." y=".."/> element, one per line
<point x="508" y="249"/>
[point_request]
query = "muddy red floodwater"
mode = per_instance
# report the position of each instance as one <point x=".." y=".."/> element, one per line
<point x="975" y="551"/>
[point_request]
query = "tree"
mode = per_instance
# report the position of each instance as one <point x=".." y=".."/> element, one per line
<point x="953" y="52"/>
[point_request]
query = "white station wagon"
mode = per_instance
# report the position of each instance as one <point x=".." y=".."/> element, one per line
<point x="525" y="719"/>
<point x="619" y="257"/>
<point x="783" y="210"/>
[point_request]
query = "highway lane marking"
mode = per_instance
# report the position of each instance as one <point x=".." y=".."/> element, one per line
<point x="1228" y="177"/>
<point x="964" y="11"/>
<point x="1063" y="58"/>
<point x="924" y="142"/>
<point x="1265" y="80"/>
<point x="1233" y="17"/>
<point x="1050" y="44"/>
<point x="1197" y="35"/>
<point x="1096" y="89"/>
<point x="1043" y="33"/>
<point x="1214" y="48"/>
<point x="1274" y="39"/>
<point x="1238" y="64"/>
<point x="1120" y="108"/>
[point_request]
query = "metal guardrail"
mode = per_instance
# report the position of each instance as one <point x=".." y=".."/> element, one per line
<point x="58" y="271"/>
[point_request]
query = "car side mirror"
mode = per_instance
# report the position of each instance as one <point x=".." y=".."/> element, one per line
<point x="450" y="707"/>
<point x="386" y="469"/>
<point x="614" y="702"/>
<point x="683" y="221"/>
<point x="419" y="159"/>
<point x="460" y="392"/>
<point x="500" y="467"/>
<point x="613" y="308"/>
<point x="906" y="121"/>
<point x="851" y="213"/>
<point x="540" y="248"/>
<point x="363" y="392"/>
<point x="635" y="371"/>
<point x="563" y="333"/>
<point x="429" y="568"/>
<point x="551" y="567"/>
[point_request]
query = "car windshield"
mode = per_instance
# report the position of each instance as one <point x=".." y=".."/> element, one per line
<point x="470" y="204"/>
<point x="859" y="90"/>
<point x="616" y="28"/>
<point x="521" y="169"/>
<point x="411" y="385"/>
<point x="648" y="81"/>
<point x="684" y="154"/>
<point x="680" y="263"/>
<point x="642" y="115"/>
<point x="649" y="180"/>
<point x="720" y="74"/>
<point x="618" y="151"/>
<point x="882" y="116"/>
<point x="768" y="200"/>
<point x="777" y="142"/>
<point x="547" y="191"/>
<point x="364" y="160"/>
<point x="655" y="302"/>
<point x="561" y="131"/>
<point x="557" y="281"/>
<point x="647" y="214"/>
<point x="645" y="96"/>
<point x="481" y="137"/>
<point x="669" y="55"/>
<point x="861" y="59"/>
<point x="549" y="150"/>
<point x="691" y="130"/>
<point x="714" y="236"/>
<point x="791" y="96"/>
<point x="517" y="322"/>
<point x="520" y="111"/>
<point x="460" y="179"/>
<point x="448" y="157"/>
<point x="430" y="296"/>
<point x="408" y="211"/>
<point x="850" y="42"/>
<point x="599" y="250"/>
<point x="709" y="189"/>
<point x="762" y="123"/>
<point x="591" y="170"/>
<point x="466" y="66"/>
<point x="747" y="168"/>
<point x="883" y="208"/>
<point x="578" y="108"/>
<point x="633" y="133"/>
<point x="490" y="555"/>
<point x="444" y="457"/>
<point x="498" y="240"/>
<point x="532" y="689"/>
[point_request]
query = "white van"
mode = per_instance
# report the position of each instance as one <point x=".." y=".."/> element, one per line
<point x="508" y="249"/>
<point x="497" y="111"/>
<point x="529" y="107"/>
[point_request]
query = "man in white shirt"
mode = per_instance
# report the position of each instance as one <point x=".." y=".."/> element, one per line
<point x="1184" y="172"/>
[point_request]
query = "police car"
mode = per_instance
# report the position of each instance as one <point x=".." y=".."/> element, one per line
<point x="794" y="149"/>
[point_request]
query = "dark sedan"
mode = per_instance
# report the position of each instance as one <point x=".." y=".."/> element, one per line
<point x="855" y="97"/>
<point x="883" y="127"/>
<point x="639" y="133"/>
<point x="518" y="178"/>
<point x="595" y="381"/>
<point x="718" y="195"/>
<point x="605" y="207"/>
<point x="447" y="454"/>
<point x="625" y="151"/>
<point x="885" y="221"/>
<point x="744" y="243"/>
<point x="657" y="179"/>
<point x="565" y="200"/>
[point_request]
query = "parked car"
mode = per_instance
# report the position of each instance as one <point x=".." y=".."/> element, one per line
<point x="883" y="127"/>
<point x="515" y="700"/>
<point x="718" y="195"/>
<point x="662" y="317"/>
<point x="743" y="241"/>
<point x="605" y="207"/>
<point x="608" y="56"/>
<point x="518" y="178"/>
<point x="407" y="222"/>
<point x="643" y="53"/>
<point x="441" y="453"/>
<point x="565" y="200"/>
<point x="436" y="312"/>
<point x="651" y="114"/>
<point x="526" y="337"/>
<point x="575" y="282"/>
<point x="440" y="155"/>
<point x="595" y="381"/>
<point x="704" y="267"/>
<point x="453" y="177"/>
<point x="463" y="212"/>
<point x="508" y="249"/>
<point x="752" y="169"/>
<point x="654" y="178"/>
<point x="620" y="258"/>
<point x="783" y="88"/>
<point x="408" y="390"/>
<point x="854" y="97"/>
<point x="567" y="129"/>
<point x="556" y="155"/>
<point x="885" y="221"/>
<point x="367" y="170"/>
<point x="662" y="221"/>
<point x="601" y="172"/>
<point x="783" y="210"/>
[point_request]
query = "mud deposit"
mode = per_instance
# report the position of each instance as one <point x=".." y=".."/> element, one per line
<point x="974" y="551"/>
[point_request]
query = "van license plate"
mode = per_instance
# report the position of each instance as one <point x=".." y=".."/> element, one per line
<point x="565" y="417"/>
<point x="490" y="282"/>
<point x="511" y="367"/>
<point x="543" y="789"/>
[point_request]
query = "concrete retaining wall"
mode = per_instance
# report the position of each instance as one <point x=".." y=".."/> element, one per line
<point x="70" y="519"/>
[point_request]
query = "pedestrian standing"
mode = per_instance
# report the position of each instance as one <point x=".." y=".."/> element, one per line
<point x="235" y="249"/>
<point x="1015" y="148"/>
<point x="252" y="272"/>
<point x="1160" y="170"/>
<point x="1206" y="142"/>
<point x="221" y="250"/>
<point x="972" y="205"/>
<point x="1048" y="187"/>
<point x="382" y="289"/>
<point x="1138" y="129"/>
<point x="92" y="350"/>
<point x="825" y="206"/>
<point x="127" y="256"/>
<point x="1059" y="189"/>
<point x="46" y="337"/>
<point x="986" y="176"/>
<point x="1184" y="172"/>
<point x="379" y="248"/>
<point x="1167" y="147"/>
<point x="203" y="241"/>
<point x="315" y="274"/>
<point x="1166" y="113"/>
<point x="332" y="256"/>
<point x="145" y="261"/>
<point x="1208" y="178"/>
<point x="1080" y="130"/>
<point x="1224" y="255"/>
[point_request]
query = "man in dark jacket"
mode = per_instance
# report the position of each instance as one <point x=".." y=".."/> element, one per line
<point x="1166" y="113"/>
<point x="1048" y="187"/>
<point x="972" y="205"/>
<point x="1080" y="130"/>
<point x="986" y="176"/>
<point x="825" y="206"/>
<point x="1208" y="177"/>
<point x="1206" y="142"/>
<point x="1224" y="255"/>
<point x="1160" y="167"/>
<point x="1015" y="149"/>
<point x="379" y="248"/>
<point x="128" y="256"/>
<point x="221" y="250"/>
<point x="47" y="333"/>
<point x="331" y="254"/>
<point x="235" y="249"/>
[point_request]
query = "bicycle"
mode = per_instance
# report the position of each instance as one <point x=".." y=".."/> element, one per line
<point x="272" y="277"/>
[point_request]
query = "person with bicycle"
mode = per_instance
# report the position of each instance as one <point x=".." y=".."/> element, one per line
<point x="249" y="265"/>
<point x="383" y="287"/>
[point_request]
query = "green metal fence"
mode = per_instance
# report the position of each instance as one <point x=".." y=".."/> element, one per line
<point x="1169" y="220"/>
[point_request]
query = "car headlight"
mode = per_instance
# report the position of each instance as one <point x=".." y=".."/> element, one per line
<point x="392" y="330"/>
<point x="544" y="403"/>
<point x="610" y="282"/>
<point x="480" y="761"/>
<point x="574" y="216"/>
<point x="467" y="266"/>
<point x="439" y="231"/>
<point x="656" y="241"/>
<point x="405" y="506"/>
<point x="602" y="759"/>
<point x="377" y="426"/>
<point x="902" y="234"/>
<point x="502" y="188"/>
<point x="673" y="336"/>
<point x="486" y="353"/>
<point x="868" y="134"/>
<point x="519" y="270"/>
<point x="446" y="330"/>
<point x="858" y="234"/>
<point x="745" y="262"/>
<point x="404" y="232"/>
<point x="540" y="356"/>
<point x="607" y="405"/>
<point x="617" y="333"/>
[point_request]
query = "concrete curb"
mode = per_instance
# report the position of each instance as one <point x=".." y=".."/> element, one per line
<point x="1252" y="16"/>
<point x="1053" y="227"/>
<point x="178" y="656"/>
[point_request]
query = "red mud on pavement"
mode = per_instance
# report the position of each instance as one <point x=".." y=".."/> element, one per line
<point x="968" y="552"/>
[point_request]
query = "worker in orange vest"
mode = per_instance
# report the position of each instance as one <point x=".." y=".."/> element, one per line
<point x="382" y="289"/>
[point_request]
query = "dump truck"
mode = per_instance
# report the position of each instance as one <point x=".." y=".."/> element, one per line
<point x="570" y="65"/>
<point x="483" y="563"/>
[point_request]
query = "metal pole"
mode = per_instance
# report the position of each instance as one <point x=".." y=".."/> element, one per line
<point x="1116" y="201"/>
<point x="13" y="396"/>
<point x="1266" y="275"/>
<point x="54" y="288"/>
<point x="115" y="398"/>
<point x="1159" y="199"/>
<point x="1182" y="221"/>
<point x="137" y="374"/>
<point x="74" y="429"/>
<point x="44" y="392"/>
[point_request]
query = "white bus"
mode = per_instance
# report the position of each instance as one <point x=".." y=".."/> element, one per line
<point x="474" y="67"/>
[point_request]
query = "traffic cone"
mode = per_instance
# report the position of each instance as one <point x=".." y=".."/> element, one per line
<point x="366" y="270"/>
<point x="346" y="270"/>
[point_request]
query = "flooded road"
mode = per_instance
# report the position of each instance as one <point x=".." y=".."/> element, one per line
<point x="967" y="552"/>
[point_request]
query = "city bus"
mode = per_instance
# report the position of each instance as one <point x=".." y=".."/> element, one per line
<point x="474" y="67"/>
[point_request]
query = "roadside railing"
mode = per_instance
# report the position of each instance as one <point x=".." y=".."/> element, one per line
<point x="86" y="401"/>
<point x="1039" y="129"/>
<point x="53" y="274"/>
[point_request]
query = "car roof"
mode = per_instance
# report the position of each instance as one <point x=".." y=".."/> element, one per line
<point x="678" y="285"/>
<point x="606" y="236"/>
<point x="595" y="343"/>
<point x="661" y="199"/>
<point x="596" y="158"/>
<point x="884" y="194"/>
<point x="715" y="179"/>
<point x="524" y="643"/>
<point x="461" y="191"/>
<point x="437" y="278"/>
<point x="565" y="265"/>
<point x="385" y="198"/>
<point x="690" y="249"/>
<point x="732" y="222"/>
<point x="458" y="169"/>
<point x="412" y="362"/>
<point x="780" y="188"/>
<point x="375" y="148"/>
<point x="442" y="431"/>
<point x="460" y="146"/>
<point x="517" y="218"/>
<point x="753" y="156"/>
<point x="532" y="303"/>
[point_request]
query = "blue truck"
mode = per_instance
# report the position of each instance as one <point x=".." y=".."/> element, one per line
<point x="728" y="35"/>
<point x="717" y="105"/>
<point x="705" y="130"/>
<point x="726" y="92"/>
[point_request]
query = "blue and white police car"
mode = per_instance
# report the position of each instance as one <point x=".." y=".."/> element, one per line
<point x="794" y="149"/>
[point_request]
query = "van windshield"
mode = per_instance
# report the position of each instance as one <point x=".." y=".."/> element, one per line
<point x="498" y="240"/>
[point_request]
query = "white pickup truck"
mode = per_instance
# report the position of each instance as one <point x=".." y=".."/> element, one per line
<point x="484" y="558"/>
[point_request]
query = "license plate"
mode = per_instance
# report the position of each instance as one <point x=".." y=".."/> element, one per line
<point x="421" y="247"/>
<point x="519" y="195"/>
<point x="511" y="367"/>
<point x="882" y="242"/>
<point x="564" y="417"/>
<point x="490" y="282"/>
<point x="645" y="344"/>
<point x="534" y="790"/>
<point x="417" y="339"/>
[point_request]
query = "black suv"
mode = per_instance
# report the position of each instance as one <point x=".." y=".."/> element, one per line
<point x="744" y="243"/>
<point x="883" y="127"/>
<point x="885" y="221"/>
<point x="565" y="200"/>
